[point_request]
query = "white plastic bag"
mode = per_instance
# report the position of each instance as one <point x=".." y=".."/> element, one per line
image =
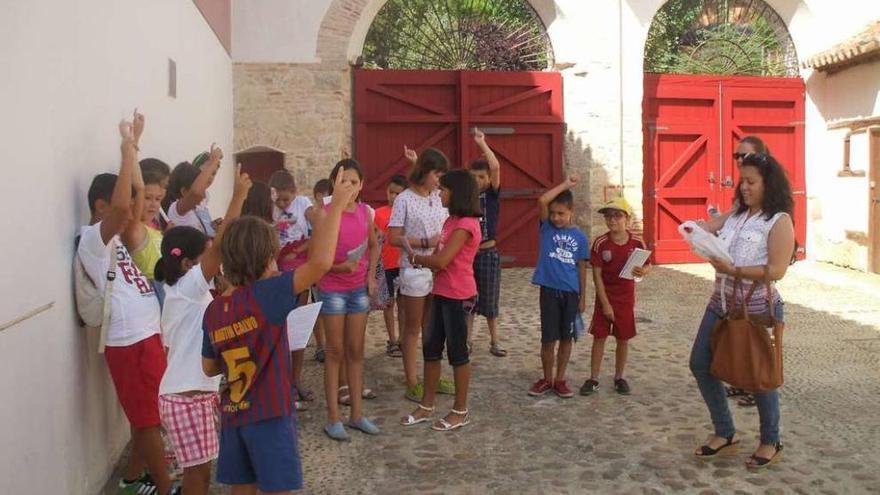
<point x="704" y="244"/>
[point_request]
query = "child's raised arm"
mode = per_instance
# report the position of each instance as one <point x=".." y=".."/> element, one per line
<point x="494" y="164"/>
<point x="547" y="197"/>
<point x="135" y="232"/>
<point x="322" y="247"/>
<point x="120" y="201"/>
<point x="439" y="261"/>
<point x="410" y="155"/>
<point x="196" y="193"/>
<point x="212" y="259"/>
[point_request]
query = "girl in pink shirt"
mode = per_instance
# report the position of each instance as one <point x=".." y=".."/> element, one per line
<point x="345" y="292"/>
<point x="455" y="292"/>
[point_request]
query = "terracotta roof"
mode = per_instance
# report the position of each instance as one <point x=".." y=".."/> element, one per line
<point x="859" y="48"/>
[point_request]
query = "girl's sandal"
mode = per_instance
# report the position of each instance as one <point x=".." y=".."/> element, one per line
<point x="410" y="420"/>
<point x="729" y="448"/>
<point x="756" y="462"/>
<point x="368" y="394"/>
<point x="344" y="396"/>
<point x="734" y="392"/>
<point x="497" y="350"/>
<point x="747" y="400"/>
<point x="443" y="425"/>
<point x="305" y="395"/>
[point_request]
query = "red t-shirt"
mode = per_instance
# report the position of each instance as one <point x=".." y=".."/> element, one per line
<point x="611" y="258"/>
<point x="390" y="254"/>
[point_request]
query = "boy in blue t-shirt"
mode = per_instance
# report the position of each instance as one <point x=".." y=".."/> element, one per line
<point x="562" y="275"/>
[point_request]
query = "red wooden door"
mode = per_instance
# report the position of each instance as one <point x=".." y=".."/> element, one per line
<point x="521" y="113"/>
<point x="681" y="161"/>
<point x="692" y="125"/>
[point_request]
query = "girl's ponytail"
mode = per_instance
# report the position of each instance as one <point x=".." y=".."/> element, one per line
<point x="179" y="243"/>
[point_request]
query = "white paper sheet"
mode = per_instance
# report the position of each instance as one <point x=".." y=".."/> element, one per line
<point x="300" y="323"/>
<point x="638" y="258"/>
<point x="704" y="244"/>
<point x="355" y="254"/>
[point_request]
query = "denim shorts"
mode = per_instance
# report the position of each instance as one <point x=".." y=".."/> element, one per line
<point x="347" y="302"/>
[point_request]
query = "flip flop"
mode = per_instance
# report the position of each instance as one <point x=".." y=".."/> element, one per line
<point x="496" y="350"/>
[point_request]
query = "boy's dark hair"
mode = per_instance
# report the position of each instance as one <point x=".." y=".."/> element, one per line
<point x="258" y="202"/>
<point x="282" y="180"/>
<point x="182" y="177"/>
<point x="249" y="244"/>
<point x="323" y="186"/>
<point x="101" y="188"/>
<point x="178" y="243"/>
<point x="565" y="198"/>
<point x="155" y="167"/>
<point x="777" y="189"/>
<point x="480" y="165"/>
<point x="152" y="178"/>
<point x="201" y="159"/>
<point x="399" y="180"/>
<point x="429" y="161"/>
<point x="757" y="143"/>
<point x="342" y="165"/>
<point x="464" y="195"/>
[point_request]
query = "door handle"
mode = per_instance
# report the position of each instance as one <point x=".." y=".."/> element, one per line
<point x="711" y="177"/>
<point x="728" y="182"/>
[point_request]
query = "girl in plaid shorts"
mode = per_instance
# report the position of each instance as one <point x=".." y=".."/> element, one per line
<point x="188" y="399"/>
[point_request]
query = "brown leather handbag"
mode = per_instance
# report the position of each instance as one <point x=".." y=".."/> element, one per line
<point x="744" y="353"/>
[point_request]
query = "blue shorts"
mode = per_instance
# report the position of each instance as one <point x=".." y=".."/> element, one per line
<point x="344" y="303"/>
<point x="265" y="453"/>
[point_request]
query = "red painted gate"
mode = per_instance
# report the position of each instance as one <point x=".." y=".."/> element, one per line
<point x="521" y="113"/>
<point x="692" y="125"/>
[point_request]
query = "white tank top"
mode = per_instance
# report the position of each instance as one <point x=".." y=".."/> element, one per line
<point x="748" y="240"/>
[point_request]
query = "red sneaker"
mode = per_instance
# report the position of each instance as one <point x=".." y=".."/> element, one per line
<point x="540" y="388"/>
<point x="562" y="390"/>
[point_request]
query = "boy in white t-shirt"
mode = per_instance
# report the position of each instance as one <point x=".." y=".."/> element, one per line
<point x="134" y="352"/>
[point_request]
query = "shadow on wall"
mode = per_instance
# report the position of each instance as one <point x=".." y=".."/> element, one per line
<point x="579" y="159"/>
<point x="852" y="92"/>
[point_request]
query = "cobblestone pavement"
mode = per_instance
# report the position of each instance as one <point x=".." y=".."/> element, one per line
<point x="642" y="443"/>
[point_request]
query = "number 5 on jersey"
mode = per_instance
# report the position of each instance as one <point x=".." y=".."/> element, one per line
<point x="241" y="372"/>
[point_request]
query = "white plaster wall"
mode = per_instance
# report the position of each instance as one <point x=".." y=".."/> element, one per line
<point x="71" y="71"/>
<point x="276" y="31"/>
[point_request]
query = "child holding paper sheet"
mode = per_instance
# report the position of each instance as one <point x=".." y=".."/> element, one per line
<point x="187" y="398"/>
<point x="245" y="338"/>
<point x="345" y="293"/>
<point x="614" y="311"/>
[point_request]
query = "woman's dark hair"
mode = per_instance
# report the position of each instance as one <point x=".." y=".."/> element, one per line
<point x="342" y="165"/>
<point x="399" y="180"/>
<point x="757" y="143"/>
<point x="777" y="190"/>
<point x="282" y="180"/>
<point x="249" y="244"/>
<point x="429" y="161"/>
<point x="464" y="195"/>
<point x="258" y="202"/>
<point x="178" y="243"/>
<point x="323" y="186"/>
<point x="182" y="177"/>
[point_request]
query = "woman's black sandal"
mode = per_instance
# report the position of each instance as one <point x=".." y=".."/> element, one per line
<point x="734" y="392"/>
<point x="756" y="462"/>
<point x="728" y="448"/>
<point x="747" y="400"/>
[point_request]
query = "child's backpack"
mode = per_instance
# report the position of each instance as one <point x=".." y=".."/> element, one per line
<point x="93" y="304"/>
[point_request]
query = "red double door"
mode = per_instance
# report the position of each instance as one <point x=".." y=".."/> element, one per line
<point x="520" y="112"/>
<point x="692" y="125"/>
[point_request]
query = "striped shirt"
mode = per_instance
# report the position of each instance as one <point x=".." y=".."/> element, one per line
<point x="247" y="332"/>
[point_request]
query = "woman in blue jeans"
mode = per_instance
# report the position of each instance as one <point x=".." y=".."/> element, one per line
<point x="760" y="237"/>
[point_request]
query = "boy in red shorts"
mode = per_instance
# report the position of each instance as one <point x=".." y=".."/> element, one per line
<point x="614" y="312"/>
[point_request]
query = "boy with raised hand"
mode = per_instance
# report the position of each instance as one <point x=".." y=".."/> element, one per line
<point x="562" y="275"/>
<point x="133" y="352"/>
<point x="487" y="264"/>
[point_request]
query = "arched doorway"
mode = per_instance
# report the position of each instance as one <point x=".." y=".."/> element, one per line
<point x="433" y="70"/>
<point x="716" y="71"/>
<point x="260" y="162"/>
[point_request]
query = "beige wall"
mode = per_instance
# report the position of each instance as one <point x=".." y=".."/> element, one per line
<point x="71" y="71"/>
<point x="602" y="40"/>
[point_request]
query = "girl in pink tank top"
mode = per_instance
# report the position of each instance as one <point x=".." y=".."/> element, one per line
<point x="345" y="296"/>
